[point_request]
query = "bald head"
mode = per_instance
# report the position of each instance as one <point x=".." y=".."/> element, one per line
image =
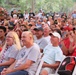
<point x="27" y="38"/>
<point x="28" y="33"/>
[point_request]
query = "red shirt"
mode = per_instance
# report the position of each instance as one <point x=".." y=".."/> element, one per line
<point x="74" y="52"/>
<point x="0" y="49"/>
<point x="66" y="42"/>
<point x="68" y="28"/>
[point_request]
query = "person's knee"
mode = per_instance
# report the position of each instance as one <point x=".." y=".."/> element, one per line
<point x="44" y="72"/>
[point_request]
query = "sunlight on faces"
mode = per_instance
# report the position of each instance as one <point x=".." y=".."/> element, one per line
<point x="55" y="38"/>
<point x="12" y="38"/>
<point x="38" y="33"/>
<point x="26" y="38"/>
<point x="9" y="39"/>
<point x="46" y="29"/>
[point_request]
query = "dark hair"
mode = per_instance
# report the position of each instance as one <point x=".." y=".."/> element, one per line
<point x="10" y="28"/>
<point x="55" y="22"/>
<point x="3" y="28"/>
<point x="61" y="28"/>
<point x="25" y="30"/>
<point x="74" y="28"/>
<point x="59" y="31"/>
<point x="63" y="21"/>
<point x="30" y="24"/>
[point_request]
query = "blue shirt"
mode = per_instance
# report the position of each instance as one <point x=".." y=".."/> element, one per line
<point x="52" y="54"/>
<point x="74" y="16"/>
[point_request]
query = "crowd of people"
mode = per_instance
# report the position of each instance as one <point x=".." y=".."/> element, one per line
<point x="25" y="38"/>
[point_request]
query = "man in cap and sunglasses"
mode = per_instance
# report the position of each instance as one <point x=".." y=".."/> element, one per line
<point x="40" y="39"/>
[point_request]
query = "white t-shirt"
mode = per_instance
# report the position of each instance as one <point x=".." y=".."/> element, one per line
<point x="39" y="15"/>
<point x="52" y="54"/>
<point x="33" y="54"/>
<point x="26" y="16"/>
<point x="48" y="39"/>
<point x="10" y="53"/>
<point x="42" y="42"/>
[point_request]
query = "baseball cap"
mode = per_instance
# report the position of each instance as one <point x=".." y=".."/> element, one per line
<point x="74" y="28"/>
<point x="56" y="34"/>
<point x="39" y="28"/>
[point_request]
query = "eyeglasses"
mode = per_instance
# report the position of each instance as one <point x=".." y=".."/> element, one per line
<point x="9" y="37"/>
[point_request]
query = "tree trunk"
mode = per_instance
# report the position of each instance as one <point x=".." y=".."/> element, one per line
<point x="33" y="5"/>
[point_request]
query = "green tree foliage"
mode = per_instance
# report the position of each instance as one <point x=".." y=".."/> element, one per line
<point x="46" y="5"/>
<point x="74" y="0"/>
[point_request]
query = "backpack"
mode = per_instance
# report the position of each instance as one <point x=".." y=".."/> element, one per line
<point x="67" y="66"/>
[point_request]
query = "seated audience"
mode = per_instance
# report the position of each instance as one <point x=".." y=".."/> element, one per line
<point x="10" y="50"/>
<point x="27" y="59"/>
<point x="52" y="55"/>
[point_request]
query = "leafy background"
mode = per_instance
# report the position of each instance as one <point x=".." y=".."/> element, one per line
<point x="35" y="5"/>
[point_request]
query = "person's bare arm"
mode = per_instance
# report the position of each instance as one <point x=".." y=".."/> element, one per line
<point x="64" y="49"/>
<point x="21" y="67"/>
<point x="9" y="62"/>
<point x="54" y="66"/>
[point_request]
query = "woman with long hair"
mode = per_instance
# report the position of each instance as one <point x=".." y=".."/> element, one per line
<point x="10" y="50"/>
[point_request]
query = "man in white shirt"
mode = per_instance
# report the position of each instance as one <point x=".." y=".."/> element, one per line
<point x="26" y="15"/>
<point x="27" y="59"/>
<point x="52" y="55"/>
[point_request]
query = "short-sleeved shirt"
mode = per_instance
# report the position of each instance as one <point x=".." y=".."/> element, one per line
<point x="52" y="54"/>
<point x="42" y="42"/>
<point x="67" y="42"/>
<point x="74" y="16"/>
<point x="48" y="39"/>
<point x="10" y="53"/>
<point x="33" y="54"/>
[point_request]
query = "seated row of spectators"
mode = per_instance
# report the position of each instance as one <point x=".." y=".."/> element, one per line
<point x="23" y="41"/>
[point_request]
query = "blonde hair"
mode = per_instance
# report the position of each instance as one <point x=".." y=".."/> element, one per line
<point x="16" y="41"/>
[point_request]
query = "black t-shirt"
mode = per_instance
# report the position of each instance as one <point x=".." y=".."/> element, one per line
<point x="20" y="15"/>
<point x="31" y="14"/>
